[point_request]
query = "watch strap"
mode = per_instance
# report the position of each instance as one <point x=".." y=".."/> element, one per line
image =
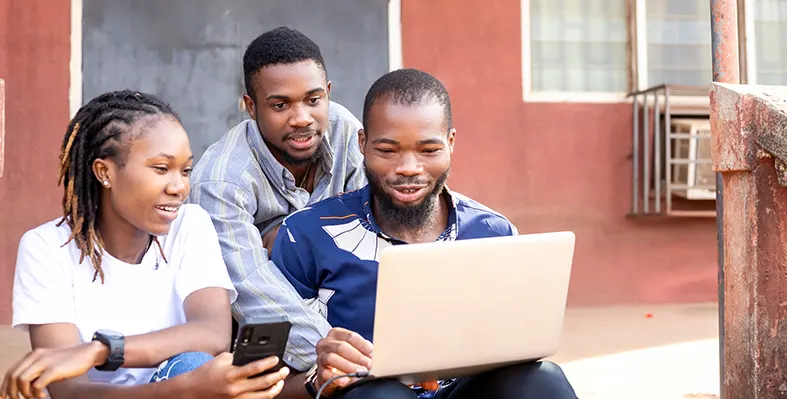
<point x="116" y="344"/>
<point x="311" y="377"/>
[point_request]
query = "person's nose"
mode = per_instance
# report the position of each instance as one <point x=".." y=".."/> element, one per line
<point x="301" y="117"/>
<point x="409" y="165"/>
<point x="178" y="185"/>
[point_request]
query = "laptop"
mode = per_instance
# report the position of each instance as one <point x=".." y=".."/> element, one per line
<point x="453" y="309"/>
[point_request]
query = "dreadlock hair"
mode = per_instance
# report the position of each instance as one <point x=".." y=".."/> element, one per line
<point x="97" y="132"/>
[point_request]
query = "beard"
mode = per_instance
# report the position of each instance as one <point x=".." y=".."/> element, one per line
<point x="409" y="216"/>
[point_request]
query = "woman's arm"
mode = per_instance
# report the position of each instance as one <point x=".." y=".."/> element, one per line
<point x="207" y="329"/>
<point x="59" y="363"/>
<point x="81" y="388"/>
<point x="58" y="355"/>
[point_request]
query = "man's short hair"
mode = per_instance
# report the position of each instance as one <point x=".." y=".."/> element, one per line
<point x="408" y="87"/>
<point x="282" y="45"/>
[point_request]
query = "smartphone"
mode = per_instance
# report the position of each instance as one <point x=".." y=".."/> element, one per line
<point x="257" y="341"/>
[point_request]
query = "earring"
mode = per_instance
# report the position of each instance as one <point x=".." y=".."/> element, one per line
<point x="106" y="182"/>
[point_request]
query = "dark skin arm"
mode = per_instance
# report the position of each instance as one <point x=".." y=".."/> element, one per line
<point x="64" y="357"/>
<point x="207" y="329"/>
<point x="294" y="388"/>
<point x="59" y="354"/>
<point x="341" y="352"/>
<point x="216" y="379"/>
<point x="269" y="237"/>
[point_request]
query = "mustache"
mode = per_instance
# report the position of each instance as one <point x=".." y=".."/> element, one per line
<point x="300" y="133"/>
<point x="409" y="181"/>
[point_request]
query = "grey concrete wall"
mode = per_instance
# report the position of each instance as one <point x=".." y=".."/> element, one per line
<point x="189" y="52"/>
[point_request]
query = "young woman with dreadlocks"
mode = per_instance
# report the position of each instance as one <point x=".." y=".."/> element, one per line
<point x="127" y="295"/>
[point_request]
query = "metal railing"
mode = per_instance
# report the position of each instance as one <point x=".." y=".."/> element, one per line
<point x="652" y="188"/>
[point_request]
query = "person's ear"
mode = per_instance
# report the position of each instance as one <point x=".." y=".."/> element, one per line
<point x="451" y="140"/>
<point x="251" y="109"/>
<point x="328" y="88"/>
<point x="362" y="141"/>
<point x="103" y="170"/>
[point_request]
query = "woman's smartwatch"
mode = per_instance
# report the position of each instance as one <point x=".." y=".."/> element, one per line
<point x="116" y="344"/>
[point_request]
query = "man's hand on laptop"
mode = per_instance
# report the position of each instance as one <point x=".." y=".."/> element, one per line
<point x="429" y="385"/>
<point x="342" y="352"/>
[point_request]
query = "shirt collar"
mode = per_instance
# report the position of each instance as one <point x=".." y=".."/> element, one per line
<point x="449" y="234"/>
<point x="271" y="166"/>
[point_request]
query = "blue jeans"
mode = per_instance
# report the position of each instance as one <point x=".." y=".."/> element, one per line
<point x="534" y="380"/>
<point x="180" y="364"/>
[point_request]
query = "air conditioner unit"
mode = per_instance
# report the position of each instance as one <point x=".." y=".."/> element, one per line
<point x="693" y="181"/>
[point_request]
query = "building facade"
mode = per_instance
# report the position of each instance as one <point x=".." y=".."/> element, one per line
<point x="539" y="90"/>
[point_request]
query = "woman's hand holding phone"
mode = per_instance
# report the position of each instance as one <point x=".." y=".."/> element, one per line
<point x="220" y="379"/>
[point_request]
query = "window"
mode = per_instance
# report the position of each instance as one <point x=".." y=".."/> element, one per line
<point x="578" y="46"/>
<point x="770" y="53"/>
<point x="599" y="49"/>
<point x="678" y="43"/>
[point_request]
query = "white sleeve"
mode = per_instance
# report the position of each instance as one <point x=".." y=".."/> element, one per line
<point x="202" y="264"/>
<point x="43" y="290"/>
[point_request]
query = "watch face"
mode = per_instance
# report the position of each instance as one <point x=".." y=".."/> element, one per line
<point x="110" y="333"/>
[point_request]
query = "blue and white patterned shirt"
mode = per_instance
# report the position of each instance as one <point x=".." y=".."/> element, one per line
<point x="330" y="251"/>
<point x="247" y="192"/>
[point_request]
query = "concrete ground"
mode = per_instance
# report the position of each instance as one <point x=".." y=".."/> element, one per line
<point x="643" y="352"/>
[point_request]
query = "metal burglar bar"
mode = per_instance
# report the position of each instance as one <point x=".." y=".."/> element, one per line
<point x="653" y="149"/>
<point x="643" y="134"/>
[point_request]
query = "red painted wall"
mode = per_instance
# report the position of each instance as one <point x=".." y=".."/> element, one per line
<point x="546" y="166"/>
<point x="34" y="57"/>
<point x="553" y="166"/>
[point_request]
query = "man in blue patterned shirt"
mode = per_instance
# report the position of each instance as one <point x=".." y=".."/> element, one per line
<point x="297" y="148"/>
<point x="329" y="251"/>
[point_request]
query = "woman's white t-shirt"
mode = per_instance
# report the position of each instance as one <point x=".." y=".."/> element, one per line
<point x="51" y="286"/>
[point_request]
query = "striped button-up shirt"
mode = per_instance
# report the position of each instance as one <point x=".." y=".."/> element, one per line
<point x="247" y="192"/>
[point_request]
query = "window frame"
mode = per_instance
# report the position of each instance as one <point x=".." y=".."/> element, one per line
<point x="528" y="95"/>
<point x="636" y="50"/>
<point x="748" y="42"/>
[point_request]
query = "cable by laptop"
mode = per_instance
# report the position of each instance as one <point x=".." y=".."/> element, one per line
<point x="360" y="374"/>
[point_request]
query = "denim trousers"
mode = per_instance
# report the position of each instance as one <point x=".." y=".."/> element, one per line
<point x="180" y="364"/>
<point x="533" y="380"/>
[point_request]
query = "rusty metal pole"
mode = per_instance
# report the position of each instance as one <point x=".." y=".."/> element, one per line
<point x="726" y="69"/>
<point x="749" y="148"/>
<point x="2" y="125"/>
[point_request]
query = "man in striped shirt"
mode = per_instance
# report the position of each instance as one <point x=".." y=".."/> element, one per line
<point x="297" y="148"/>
